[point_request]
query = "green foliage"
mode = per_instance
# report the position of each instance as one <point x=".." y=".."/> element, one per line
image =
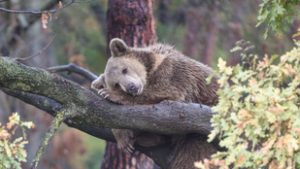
<point x="258" y="118"/>
<point x="276" y="13"/>
<point x="12" y="151"/>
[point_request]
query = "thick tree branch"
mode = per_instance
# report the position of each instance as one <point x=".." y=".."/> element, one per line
<point x="91" y="109"/>
<point x="159" y="153"/>
<point x="51" y="107"/>
<point x="95" y="115"/>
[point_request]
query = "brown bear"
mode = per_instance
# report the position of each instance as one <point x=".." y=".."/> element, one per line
<point x="153" y="74"/>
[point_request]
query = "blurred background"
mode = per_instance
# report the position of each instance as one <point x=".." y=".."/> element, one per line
<point x="202" y="29"/>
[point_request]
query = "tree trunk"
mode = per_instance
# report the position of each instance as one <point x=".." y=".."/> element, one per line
<point x="133" y="22"/>
<point x="202" y="30"/>
<point x="211" y="38"/>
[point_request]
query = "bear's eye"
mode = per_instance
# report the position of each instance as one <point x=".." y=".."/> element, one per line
<point x="124" y="71"/>
<point x="117" y="85"/>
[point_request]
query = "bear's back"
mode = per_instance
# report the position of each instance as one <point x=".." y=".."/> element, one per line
<point x="185" y="74"/>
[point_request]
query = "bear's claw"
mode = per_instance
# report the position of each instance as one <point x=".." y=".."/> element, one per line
<point x="103" y="93"/>
<point x="125" y="139"/>
<point x="128" y="147"/>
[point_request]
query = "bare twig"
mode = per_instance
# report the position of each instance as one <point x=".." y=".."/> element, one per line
<point x="36" y="11"/>
<point x="39" y="52"/>
<point x="84" y="1"/>
<point x="73" y="69"/>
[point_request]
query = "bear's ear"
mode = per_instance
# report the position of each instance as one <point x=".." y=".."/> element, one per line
<point x="117" y="47"/>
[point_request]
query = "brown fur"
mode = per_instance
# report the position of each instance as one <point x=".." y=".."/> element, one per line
<point x="160" y="73"/>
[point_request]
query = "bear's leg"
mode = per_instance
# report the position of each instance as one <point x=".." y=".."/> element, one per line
<point x="99" y="83"/>
<point x="125" y="139"/>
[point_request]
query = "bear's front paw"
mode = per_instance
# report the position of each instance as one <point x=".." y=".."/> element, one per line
<point x="111" y="96"/>
<point x="99" y="83"/>
<point x="114" y="97"/>
<point x="96" y="85"/>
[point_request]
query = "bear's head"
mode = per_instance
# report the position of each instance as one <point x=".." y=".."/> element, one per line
<point x="124" y="70"/>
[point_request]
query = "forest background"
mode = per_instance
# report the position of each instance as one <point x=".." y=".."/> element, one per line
<point x="203" y="30"/>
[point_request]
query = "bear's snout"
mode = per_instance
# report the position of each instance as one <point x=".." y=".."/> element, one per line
<point x="132" y="89"/>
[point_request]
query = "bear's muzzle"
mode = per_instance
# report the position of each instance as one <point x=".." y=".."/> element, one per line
<point x="132" y="89"/>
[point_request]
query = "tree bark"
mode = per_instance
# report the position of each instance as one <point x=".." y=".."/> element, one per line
<point x="133" y="22"/>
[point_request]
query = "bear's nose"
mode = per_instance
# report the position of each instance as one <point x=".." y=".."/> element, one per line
<point x="132" y="89"/>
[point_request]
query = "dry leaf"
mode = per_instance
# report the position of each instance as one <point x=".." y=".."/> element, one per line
<point x="45" y="17"/>
<point x="252" y="82"/>
<point x="4" y="134"/>
<point x="241" y="160"/>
